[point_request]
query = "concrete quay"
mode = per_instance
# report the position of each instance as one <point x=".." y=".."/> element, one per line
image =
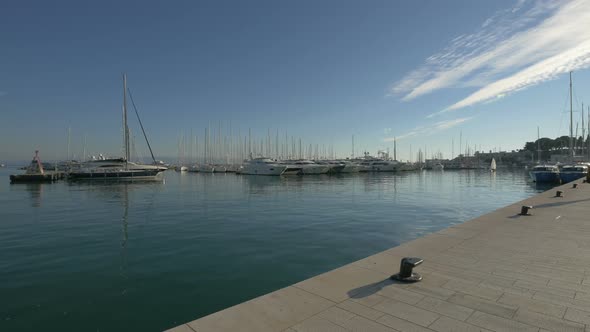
<point x="498" y="272"/>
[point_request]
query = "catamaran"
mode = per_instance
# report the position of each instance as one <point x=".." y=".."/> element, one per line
<point x="120" y="168"/>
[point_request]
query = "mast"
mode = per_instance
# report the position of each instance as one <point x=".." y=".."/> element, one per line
<point x="394" y="149"/>
<point x="69" y="134"/>
<point x="583" y="131"/>
<point x="538" y="147"/>
<point x="125" y="126"/>
<point x="352" y="146"/>
<point x="571" y="122"/>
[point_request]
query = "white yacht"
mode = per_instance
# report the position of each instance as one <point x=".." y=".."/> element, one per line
<point x="350" y="167"/>
<point x="115" y="169"/>
<point x="377" y="165"/>
<point x="120" y="169"/>
<point x="309" y="167"/>
<point x="219" y="169"/>
<point x="438" y="167"/>
<point x="262" y="166"/>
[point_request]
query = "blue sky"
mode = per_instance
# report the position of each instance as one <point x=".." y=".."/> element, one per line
<point x="423" y="71"/>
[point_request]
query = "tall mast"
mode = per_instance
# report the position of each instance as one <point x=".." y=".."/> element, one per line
<point x="394" y="149"/>
<point x="125" y="126"/>
<point x="571" y="121"/>
<point x="583" y="131"/>
<point x="538" y="147"/>
<point x="69" y="134"/>
<point x="352" y="146"/>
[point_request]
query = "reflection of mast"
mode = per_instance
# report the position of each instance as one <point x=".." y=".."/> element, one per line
<point x="125" y="237"/>
<point x="125" y="218"/>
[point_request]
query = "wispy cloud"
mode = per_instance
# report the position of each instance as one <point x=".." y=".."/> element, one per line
<point x="532" y="42"/>
<point x="430" y="129"/>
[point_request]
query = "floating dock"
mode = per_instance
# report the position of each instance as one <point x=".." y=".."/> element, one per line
<point x="47" y="176"/>
<point x="499" y="272"/>
<point x="36" y="173"/>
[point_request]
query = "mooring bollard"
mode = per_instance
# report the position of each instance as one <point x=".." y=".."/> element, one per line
<point x="405" y="270"/>
<point x="524" y="211"/>
<point x="558" y="193"/>
<point x="575" y="185"/>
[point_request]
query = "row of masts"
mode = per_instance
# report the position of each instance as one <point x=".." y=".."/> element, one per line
<point x="214" y="146"/>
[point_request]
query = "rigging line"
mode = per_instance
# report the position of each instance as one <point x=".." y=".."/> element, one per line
<point x="141" y="125"/>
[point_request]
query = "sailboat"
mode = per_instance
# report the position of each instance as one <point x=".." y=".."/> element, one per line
<point x="573" y="170"/>
<point x="120" y="169"/>
<point x="493" y="165"/>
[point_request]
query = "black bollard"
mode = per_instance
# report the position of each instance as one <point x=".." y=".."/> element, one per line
<point x="558" y="193"/>
<point x="575" y="185"/>
<point x="405" y="270"/>
<point x="524" y="211"/>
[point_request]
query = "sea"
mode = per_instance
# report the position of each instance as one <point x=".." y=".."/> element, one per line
<point x="150" y="256"/>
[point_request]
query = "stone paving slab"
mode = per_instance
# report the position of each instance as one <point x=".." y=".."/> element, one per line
<point x="497" y="272"/>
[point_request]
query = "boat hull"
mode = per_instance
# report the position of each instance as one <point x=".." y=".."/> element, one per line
<point x="270" y="171"/>
<point x="571" y="176"/>
<point x="545" y="177"/>
<point x="120" y="175"/>
<point x="33" y="178"/>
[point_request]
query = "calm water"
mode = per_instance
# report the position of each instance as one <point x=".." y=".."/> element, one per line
<point x="149" y="256"/>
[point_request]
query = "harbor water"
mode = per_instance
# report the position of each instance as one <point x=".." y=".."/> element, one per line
<point x="150" y="256"/>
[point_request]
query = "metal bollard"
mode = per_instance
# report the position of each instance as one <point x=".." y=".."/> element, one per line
<point x="524" y="210"/>
<point x="575" y="185"/>
<point x="558" y="193"/>
<point x="405" y="270"/>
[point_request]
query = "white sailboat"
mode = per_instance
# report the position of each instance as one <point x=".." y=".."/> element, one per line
<point x="119" y="169"/>
<point x="493" y="165"/>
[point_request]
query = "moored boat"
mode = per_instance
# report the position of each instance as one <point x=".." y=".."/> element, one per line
<point x="36" y="173"/>
<point x="545" y="174"/>
<point x="119" y="169"/>
<point x="262" y="166"/>
<point x="571" y="173"/>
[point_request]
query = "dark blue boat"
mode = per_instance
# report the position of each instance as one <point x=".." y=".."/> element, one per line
<point x="545" y="173"/>
<point x="571" y="173"/>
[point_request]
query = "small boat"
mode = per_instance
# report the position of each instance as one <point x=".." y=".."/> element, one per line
<point x="545" y="173"/>
<point x="571" y="173"/>
<point x="493" y="165"/>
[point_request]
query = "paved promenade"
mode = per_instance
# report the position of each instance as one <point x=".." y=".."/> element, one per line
<point x="498" y="272"/>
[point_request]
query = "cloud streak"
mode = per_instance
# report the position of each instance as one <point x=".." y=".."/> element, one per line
<point x="430" y="129"/>
<point x="532" y="42"/>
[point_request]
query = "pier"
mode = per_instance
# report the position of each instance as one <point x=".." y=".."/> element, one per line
<point x="503" y="271"/>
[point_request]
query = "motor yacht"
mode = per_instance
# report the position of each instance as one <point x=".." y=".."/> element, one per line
<point x="262" y="166"/>
<point x="571" y="173"/>
<point x="545" y="173"/>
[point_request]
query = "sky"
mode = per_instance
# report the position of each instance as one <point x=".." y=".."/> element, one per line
<point x="423" y="72"/>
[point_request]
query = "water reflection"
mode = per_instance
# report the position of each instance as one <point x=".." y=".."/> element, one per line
<point x="36" y="192"/>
